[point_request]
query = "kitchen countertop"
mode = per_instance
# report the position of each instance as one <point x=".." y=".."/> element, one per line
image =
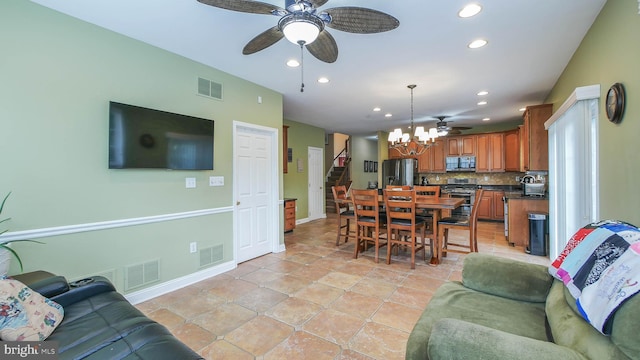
<point x="520" y="196"/>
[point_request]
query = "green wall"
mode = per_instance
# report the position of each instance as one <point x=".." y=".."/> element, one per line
<point x="610" y="53"/>
<point x="58" y="76"/>
<point x="301" y="136"/>
<point x="363" y="148"/>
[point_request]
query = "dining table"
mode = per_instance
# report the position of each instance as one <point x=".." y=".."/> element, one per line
<point x="436" y="205"/>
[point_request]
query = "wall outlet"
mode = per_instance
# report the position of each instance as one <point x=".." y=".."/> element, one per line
<point x="216" y="180"/>
<point x="190" y="182"/>
<point x="517" y="178"/>
<point x="193" y="247"/>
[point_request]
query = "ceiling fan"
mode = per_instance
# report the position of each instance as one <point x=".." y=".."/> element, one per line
<point x="301" y="23"/>
<point x="444" y="128"/>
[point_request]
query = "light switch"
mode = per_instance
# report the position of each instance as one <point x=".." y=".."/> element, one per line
<point x="216" y="180"/>
<point x="190" y="183"/>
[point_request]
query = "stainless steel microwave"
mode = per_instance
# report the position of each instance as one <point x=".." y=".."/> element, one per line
<point x="460" y="163"/>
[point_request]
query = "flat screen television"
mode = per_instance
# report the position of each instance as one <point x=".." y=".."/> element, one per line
<point x="147" y="138"/>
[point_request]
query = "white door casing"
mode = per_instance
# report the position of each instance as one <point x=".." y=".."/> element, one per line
<point x="256" y="225"/>
<point x="316" y="193"/>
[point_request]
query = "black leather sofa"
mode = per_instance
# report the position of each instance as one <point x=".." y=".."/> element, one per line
<point x="99" y="323"/>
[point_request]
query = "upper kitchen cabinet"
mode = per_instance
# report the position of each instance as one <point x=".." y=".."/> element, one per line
<point x="490" y="152"/>
<point x="534" y="141"/>
<point x="432" y="160"/>
<point x="461" y="145"/>
<point x="512" y="150"/>
<point x="394" y="154"/>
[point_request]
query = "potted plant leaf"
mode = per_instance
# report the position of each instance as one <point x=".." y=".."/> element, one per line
<point x="5" y="250"/>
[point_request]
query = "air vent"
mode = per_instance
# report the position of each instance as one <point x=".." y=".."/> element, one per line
<point x="142" y="274"/>
<point x="209" y="88"/>
<point x="212" y="255"/>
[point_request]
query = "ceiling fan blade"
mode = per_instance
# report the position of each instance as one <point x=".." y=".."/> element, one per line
<point x="317" y="3"/>
<point x="361" y="20"/>
<point x="263" y="41"/>
<point x="246" y="6"/>
<point x="324" y="48"/>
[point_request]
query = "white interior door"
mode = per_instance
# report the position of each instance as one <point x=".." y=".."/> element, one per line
<point x="316" y="183"/>
<point x="254" y="171"/>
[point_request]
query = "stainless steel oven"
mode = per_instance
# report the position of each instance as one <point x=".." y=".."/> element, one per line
<point x="461" y="188"/>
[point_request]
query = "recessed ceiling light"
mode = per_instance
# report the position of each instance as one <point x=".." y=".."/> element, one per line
<point x="293" y="63"/>
<point x="482" y="103"/>
<point x="376" y="109"/>
<point x="486" y="119"/>
<point x="477" y="44"/>
<point x="470" y="10"/>
<point x="388" y="115"/>
<point x="323" y="80"/>
<point x="483" y="93"/>
<point x="522" y="109"/>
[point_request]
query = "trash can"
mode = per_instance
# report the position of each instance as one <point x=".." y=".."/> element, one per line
<point x="537" y="234"/>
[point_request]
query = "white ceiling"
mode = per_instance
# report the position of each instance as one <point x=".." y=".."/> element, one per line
<point x="530" y="43"/>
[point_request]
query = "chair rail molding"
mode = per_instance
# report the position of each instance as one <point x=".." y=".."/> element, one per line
<point x="72" y="229"/>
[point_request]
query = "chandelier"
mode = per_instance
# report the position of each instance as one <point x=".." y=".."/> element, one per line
<point x="412" y="143"/>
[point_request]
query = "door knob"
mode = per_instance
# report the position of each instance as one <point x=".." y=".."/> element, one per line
<point x="238" y="203"/>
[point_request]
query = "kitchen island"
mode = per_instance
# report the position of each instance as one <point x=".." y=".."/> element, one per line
<point x="518" y="209"/>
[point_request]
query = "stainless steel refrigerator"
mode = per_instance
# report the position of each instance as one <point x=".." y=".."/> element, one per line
<point x="399" y="172"/>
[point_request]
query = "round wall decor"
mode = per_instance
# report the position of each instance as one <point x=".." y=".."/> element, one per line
<point x="614" y="105"/>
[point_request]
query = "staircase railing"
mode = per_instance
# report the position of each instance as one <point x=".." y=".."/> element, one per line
<point x="341" y="160"/>
<point x="345" y="177"/>
<point x="341" y="157"/>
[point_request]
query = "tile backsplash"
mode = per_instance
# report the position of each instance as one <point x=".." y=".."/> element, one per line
<point x="506" y="178"/>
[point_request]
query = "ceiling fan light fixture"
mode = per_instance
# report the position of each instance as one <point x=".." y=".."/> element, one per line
<point x="301" y="28"/>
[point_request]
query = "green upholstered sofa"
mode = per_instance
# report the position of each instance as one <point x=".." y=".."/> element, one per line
<point x="506" y="309"/>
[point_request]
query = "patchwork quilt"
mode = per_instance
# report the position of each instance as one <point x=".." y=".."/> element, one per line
<point x="600" y="266"/>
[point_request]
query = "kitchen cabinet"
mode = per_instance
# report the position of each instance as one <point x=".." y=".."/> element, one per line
<point x="534" y="142"/>
<point x="490" y="152"/>
<point x="461" y="145"/>
<point x="394" y="154"/>
<point x="491" y="206"/>
<point x="285" y="149"/>
<point x="518" y="217"/>
<point x="432" y="160"/>
<point x="512" y="150"/>
<point x="289" y="214"/>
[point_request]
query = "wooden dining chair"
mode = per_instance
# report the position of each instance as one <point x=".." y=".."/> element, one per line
<point x="403" y="226"/>
<point x="426" y="191"/>
<point x="469" y="223"/>
<point x="369" y="223"/>
<point x="345" y="213"/>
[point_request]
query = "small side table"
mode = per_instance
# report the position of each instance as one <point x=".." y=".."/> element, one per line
<point x="289" y="214"/>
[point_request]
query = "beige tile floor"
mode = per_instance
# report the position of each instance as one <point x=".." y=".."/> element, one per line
<point x="314" y="301"/>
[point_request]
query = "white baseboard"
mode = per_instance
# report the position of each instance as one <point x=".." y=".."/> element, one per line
<point x="306" y="220"/>
<point x="149" y="293"/>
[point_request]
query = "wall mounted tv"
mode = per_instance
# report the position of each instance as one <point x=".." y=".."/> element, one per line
<point x="147" y="138"/>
